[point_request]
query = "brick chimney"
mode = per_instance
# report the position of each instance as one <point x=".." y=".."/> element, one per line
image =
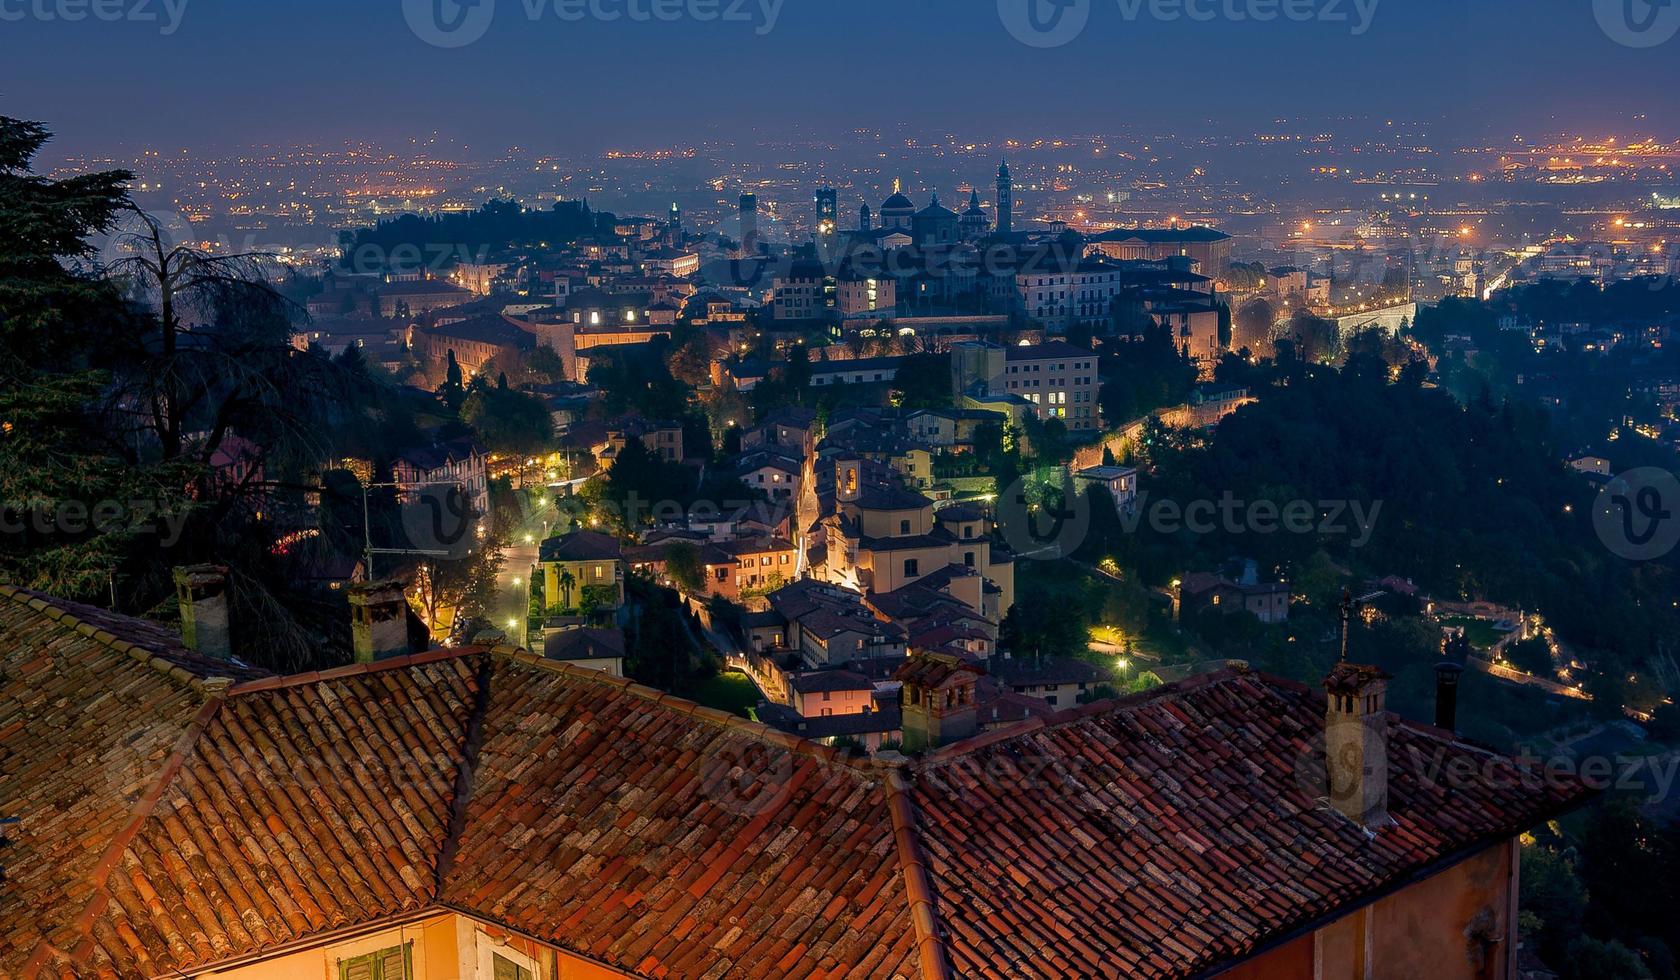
<point x="203" y="594"/>
<point x="378" y="621"/>
<point x="1356" y="742"/>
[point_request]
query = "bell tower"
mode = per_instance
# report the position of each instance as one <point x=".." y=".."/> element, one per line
<point x="1005" y="201"/>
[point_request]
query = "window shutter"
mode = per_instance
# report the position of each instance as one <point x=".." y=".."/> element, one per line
<point x="360" y="968"/>
<point x="395" y="963"/>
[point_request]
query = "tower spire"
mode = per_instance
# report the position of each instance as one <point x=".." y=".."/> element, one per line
<point x="1347" y="616"/>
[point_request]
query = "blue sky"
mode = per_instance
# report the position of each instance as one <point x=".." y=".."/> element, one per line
<point x="243" y="71"/>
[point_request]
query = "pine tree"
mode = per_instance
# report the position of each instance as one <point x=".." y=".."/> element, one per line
<point x="71" y="501"/>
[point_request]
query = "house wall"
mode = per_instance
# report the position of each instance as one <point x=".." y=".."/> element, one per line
<point x="1060" y="695"/>
<point x="757" y="569"/>
<point x="890" y="523"/>
<point x="887" y="567"/>
<point x="1422" y="931"/>
<point x="583" y="573"/>
<point x="445" y="947"/>
<point x="814" y="705"/>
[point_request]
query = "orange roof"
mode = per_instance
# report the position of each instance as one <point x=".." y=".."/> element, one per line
<point x="170" y="822"/>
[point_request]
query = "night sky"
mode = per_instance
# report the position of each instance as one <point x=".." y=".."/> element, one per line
<point x="287" y="71"/>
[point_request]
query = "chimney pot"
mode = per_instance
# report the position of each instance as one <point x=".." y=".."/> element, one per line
<point x="205" y="626"/>
<point x="379" y="621"/>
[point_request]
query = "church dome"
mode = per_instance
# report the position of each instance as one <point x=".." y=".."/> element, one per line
<point x="936" y="210"/>
<point x="898" y="202"/>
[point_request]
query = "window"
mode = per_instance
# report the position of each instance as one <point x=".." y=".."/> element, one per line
<point x="911" y="568"/>
<point x="903" y="527"/>
<point x="499" y="961"/>
<point x="393" y="963"/>
<point x="503" y="968"/>
<point x="968" y="559"/>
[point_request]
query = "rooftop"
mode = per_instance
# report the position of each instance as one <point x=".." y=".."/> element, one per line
<point x="582" y="546"/>
<point x="1055" y="350"/>
<point x="169" y="822"/>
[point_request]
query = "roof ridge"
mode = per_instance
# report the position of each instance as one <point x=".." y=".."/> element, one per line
<point x="918" y="886"/>
<point x="466" y="777"/>
<point x="692" y="709"/>
<point x="287" y="681"/>
<point x="44" y="604"/>
<point x="1071" y="716"/>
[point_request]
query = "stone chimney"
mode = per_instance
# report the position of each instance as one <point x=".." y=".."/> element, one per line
<point x="378" y="621"/>
<point x="938" y="700"/>
<point x="205" y="626"/>
<point x="1356" y="742"/>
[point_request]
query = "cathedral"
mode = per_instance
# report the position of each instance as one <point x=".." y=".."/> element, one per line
<point x="898" y="223"/>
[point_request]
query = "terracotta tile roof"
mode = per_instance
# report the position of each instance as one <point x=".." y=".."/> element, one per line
<point x="169" y="823"/>
<point x="670" y="839"/>
<point x="300" y="809"/>
<point x="1174" y="832"/>
<point x="73" y="767"/>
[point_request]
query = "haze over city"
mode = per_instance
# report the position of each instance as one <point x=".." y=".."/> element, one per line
<point x="690" y="489"/>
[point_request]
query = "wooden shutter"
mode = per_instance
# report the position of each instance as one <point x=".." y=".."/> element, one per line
<point x="395" y="963"/>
